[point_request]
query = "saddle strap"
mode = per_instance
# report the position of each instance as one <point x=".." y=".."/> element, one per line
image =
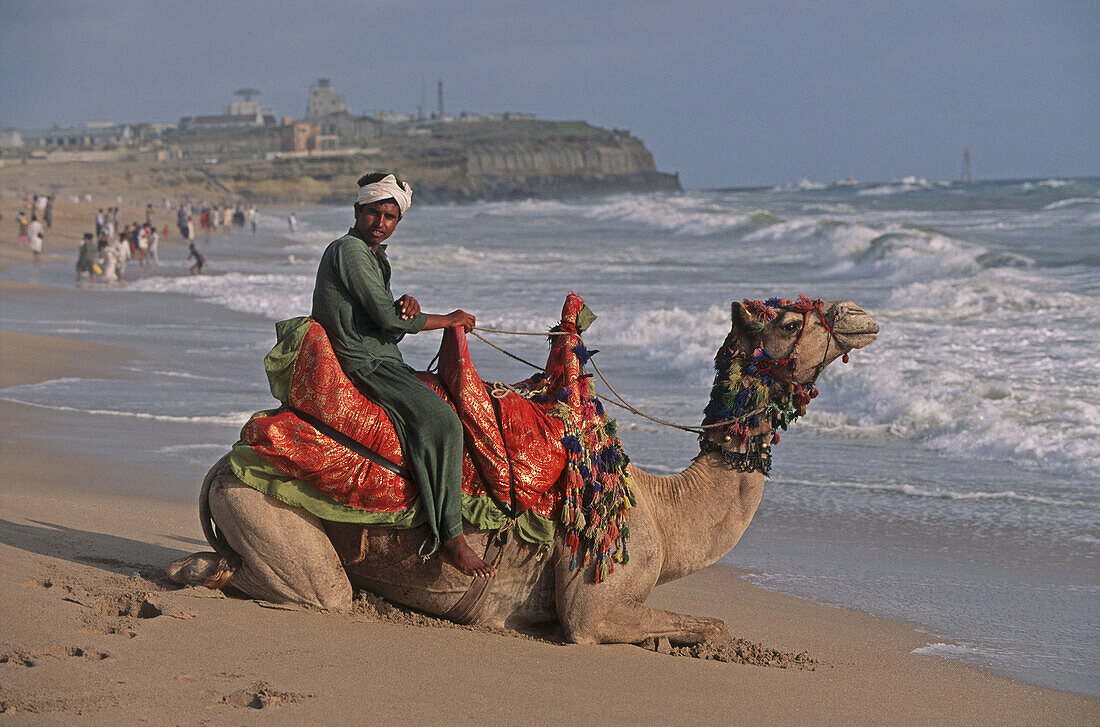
<point x="357" y="447"/>
<point x="466" y="610"/>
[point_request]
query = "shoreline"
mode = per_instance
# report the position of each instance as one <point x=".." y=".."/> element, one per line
<point x="75" y="542"/>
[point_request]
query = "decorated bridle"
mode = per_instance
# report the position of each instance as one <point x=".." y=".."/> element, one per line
<point x="763" y="394"/>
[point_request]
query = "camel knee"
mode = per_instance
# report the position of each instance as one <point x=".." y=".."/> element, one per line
<point x="580" y="633"/>
<point x="286" y="555"/>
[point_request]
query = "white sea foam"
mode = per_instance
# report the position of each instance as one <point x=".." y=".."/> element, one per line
<point x="979" y="367"/>
<point x="909" y="490"/>
<point x="180" y="375"/>
<point x="1072" y="202"/>
<point x="1047" y="183"/>
<point x="272" y="295"/>
<point x="232" y="419"/>
<point x="948" y="651"/>
<point x="199" y="453"/>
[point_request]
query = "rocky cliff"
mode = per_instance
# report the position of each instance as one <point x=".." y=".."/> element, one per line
<point x="463" y="162"/>
<point x="458" y="161"/>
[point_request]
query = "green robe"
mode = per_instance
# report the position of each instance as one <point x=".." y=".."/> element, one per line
<point x="353" y="303"/>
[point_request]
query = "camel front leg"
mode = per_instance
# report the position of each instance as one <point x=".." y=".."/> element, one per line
<point x="630" y="622"/>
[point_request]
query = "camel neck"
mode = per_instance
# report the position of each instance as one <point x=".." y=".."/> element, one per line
<point x="701" y="512"/>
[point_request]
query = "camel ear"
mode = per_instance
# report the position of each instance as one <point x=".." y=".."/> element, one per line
<point x="741" y="316"/>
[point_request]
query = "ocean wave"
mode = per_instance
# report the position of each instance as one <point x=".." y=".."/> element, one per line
<point x="909" y="490"/>
<point x="684" y="215"/>
<point x="688" y="215"/>
<point x="199" y="453"/>
<point x="802" y="185"/>
<point x="1072" y="202"/>
<point x="983" y="369"/>
<point x="1007" y="289"/>
<point x="179" y="375"/>
<point x="275" y="296"/>
<point x="901" y="186"/>
<point x="229" y="420"/>
<point x="1047" y="183"/>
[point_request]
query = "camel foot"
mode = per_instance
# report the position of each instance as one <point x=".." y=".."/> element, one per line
<point x="661" y="645"/>
<point x="456" y="552"/>
<point x="200" y="569"/>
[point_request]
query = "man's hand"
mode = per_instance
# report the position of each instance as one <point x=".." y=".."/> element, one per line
<point x="461" y="318"/>
<point x="407" y="307"/>
<point x="454" y="319"/>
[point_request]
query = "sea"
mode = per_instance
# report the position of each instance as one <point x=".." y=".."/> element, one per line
<point x="947" y="476"/>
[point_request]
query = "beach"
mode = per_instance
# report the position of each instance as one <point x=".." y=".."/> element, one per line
<point x="94" y="634"/>
<point x="101" y="462"/>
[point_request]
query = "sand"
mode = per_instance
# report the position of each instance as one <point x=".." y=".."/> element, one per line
<point x="92" y="633"/>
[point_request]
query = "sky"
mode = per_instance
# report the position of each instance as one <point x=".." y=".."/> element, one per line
<point x="732" y="93"/>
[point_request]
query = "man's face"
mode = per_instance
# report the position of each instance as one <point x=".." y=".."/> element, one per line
<point x="376" y="221"/>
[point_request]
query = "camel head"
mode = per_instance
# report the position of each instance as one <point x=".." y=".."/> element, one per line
<point x="766" y="369"/>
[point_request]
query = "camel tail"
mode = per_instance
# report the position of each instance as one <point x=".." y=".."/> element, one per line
<point x="230" y="561"/>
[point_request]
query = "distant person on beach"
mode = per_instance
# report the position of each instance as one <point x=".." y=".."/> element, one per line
<point x="292" y="222"/>
<point x="154" y="240"/>
<point x="122" y="253"/>
<point x="200" y="261"/>
<point x="142" y="236"/>
<point x="181" y="222"/>
<point x="353" y="303"/>
<point x="86" y="257"/>
<point x="253" y="218"/>
<point x="34" y="238"/>
<point x="98" y="222"/>
<point x="47" y="213"/>
<point x="22" y="221"/>
<point x="111" y="260"/>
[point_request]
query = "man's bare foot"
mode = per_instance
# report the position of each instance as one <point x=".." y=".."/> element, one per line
<point x="457" y="553"/>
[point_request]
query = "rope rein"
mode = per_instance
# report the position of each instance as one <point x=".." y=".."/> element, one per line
<point x="621" y="403"/>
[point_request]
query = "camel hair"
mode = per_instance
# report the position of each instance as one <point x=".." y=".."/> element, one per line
<point x="679" y="525"/>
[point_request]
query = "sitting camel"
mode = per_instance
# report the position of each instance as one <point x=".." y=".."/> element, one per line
<point x="679" y="524"/>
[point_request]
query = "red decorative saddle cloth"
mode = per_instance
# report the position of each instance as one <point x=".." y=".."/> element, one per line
<point x="548" y="457"/>
<point x="513" y="446"/>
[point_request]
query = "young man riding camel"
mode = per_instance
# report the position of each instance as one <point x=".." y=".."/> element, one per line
<point x="353" y="303"/>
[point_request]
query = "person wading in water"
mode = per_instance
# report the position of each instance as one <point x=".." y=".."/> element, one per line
<point x="353" y="303"/>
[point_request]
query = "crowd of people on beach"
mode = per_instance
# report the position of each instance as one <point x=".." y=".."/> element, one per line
<point x="104" y="255"/>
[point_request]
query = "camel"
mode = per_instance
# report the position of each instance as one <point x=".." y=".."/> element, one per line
<point x="679" y="525"/>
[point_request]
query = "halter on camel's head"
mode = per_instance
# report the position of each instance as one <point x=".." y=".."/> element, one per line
<point x="766" y="369"/>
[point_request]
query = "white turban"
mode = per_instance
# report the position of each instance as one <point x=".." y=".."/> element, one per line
<point x="386" y="188"/>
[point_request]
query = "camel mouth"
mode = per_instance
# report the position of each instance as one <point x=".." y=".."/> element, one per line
<point x="852" y="326"/>
<point x="857" y="339"/>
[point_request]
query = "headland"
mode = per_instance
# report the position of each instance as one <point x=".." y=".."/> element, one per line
<point x="483" y="159"/>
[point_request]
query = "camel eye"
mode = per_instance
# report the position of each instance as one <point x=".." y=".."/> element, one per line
<point x="790" y="327"/>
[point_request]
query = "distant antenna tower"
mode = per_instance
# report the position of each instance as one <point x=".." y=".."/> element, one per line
<point x="966" y="166"/>
<point x="441" y="99"/>
<point x="247" y="93"/>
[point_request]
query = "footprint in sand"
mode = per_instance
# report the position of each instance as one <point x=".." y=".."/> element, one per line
<point x="30" y="659"/>
<point x="259" y="696"/>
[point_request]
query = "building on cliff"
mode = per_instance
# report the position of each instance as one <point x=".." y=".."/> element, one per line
<point x="302" y="136"/>
<point x="324" y="101"/>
